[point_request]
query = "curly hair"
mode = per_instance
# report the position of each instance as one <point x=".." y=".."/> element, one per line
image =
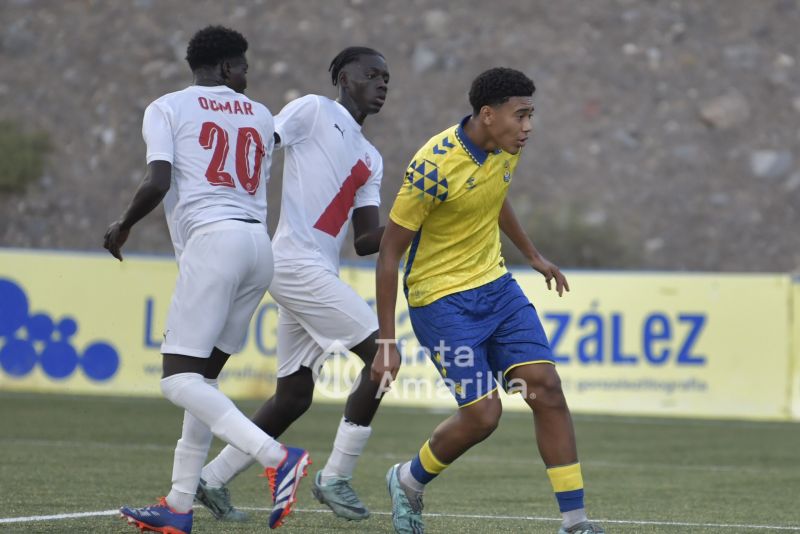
<point x="213" y="44"/>
<point x="348" y="55"/>
<point x="495" y="86"/>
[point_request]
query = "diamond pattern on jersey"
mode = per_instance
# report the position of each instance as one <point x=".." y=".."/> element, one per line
<point x="426" y="177"/>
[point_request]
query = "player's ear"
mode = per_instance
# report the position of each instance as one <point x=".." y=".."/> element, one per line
<point x="343" y="79"/>
<point x="225" y="69"/>
<point x="487" y="115"/>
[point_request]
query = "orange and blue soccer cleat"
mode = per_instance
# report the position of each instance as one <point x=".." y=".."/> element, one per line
<point x="283" y="482"/>
<point x="158" y="518"/>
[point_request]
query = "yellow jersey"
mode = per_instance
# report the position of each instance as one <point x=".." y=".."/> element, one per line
<point x="451" y="197"/>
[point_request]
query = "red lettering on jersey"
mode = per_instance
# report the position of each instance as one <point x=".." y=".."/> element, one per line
<point x="335" y="215"/>
<point x="214" y="136"/>
<point x="238" y="108"/>
<point x="248" y="176"/>
<point x="248" y="141"/>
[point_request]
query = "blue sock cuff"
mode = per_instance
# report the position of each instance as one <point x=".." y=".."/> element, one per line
<point x="419" y="473"/>
<point x="569" y="500"/>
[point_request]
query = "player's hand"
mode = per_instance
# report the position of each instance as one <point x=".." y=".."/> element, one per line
<point x="551" y="273"/>
<point x="385" y="365"/>
<point x="114" y="239"/>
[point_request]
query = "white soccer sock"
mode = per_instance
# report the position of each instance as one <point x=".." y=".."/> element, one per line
<point x="215" y="410"/>
<point x="190" y="454"/>
<point x="408" y="480"/>
<point x="573" y="517"/>
<point x="224" y="468"/>
<point x="347" y="447"/>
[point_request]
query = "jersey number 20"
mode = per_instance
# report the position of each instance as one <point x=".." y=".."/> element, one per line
<point x="214" y="136"/>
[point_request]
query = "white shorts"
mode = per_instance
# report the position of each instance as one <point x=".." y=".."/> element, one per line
<point x="223" y="273"/>
<point x="317" y="313"/>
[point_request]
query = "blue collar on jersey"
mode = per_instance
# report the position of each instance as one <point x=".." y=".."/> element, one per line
<point x="477" y="154"/>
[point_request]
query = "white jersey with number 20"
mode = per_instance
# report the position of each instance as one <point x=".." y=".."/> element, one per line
<point x="219" y="143"/>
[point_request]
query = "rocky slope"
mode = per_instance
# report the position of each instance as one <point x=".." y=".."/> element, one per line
<point x="667" y="132"/>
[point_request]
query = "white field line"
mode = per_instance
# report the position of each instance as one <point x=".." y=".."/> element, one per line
<point x="58" y="517"/>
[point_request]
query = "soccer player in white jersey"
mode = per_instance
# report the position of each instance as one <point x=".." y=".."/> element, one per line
<point x="331" y="174"/>
<point x="208" y="153"/>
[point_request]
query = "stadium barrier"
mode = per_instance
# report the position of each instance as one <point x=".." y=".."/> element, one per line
<point x="688" y="345"/>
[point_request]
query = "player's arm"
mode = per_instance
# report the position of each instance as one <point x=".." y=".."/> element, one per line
<point x="512" y="228"/>
<point x="149" y="194"/>
<point x="395" y="242"/>
<point x="367" y="231"/>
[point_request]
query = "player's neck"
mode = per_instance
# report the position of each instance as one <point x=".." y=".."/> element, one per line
<point x="348" y="104"/>
<point x="207" y="78"/>
<point x="478" y="135"/>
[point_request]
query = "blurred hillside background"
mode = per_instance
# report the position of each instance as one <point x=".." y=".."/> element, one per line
<point x="667" y="133"/>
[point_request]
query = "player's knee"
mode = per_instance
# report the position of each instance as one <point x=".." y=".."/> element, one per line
<point x="484" y="421"/>
<point x="367" y="349"/>
<point x="173" y="386"/>
<point x="546" y="391"/>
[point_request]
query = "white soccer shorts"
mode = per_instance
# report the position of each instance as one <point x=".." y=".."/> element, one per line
<point x="223" y="273"/>
<point x="317" y="313"/>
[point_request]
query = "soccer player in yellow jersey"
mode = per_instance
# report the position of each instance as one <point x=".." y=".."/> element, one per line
<point x="466" y="310"/>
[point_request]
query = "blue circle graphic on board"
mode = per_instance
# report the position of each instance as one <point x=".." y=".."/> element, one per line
<point x="59" y="360"/>
<point x="100" y="361"/>
<point x="67" y="328"/>
<point x="13" y="307"/>
<point x="18" y="357"/>
<point x="40" y="327"/>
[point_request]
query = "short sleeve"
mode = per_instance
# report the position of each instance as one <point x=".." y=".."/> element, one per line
<point x="157" y="133"/>
<point x="369" y="194"/>
<point x="424" y="188"/>
<point x="296" y="120"/>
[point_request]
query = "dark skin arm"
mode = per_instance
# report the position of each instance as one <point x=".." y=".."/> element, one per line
<point x="367" y="231"/>
<point x="395" y="242"/>
<point x="510" y="226"/>
<point x="149" y="194"/>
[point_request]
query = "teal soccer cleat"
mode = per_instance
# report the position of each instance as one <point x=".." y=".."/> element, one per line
<point x="406" y="512"/>
<point x="218" y="502"/>
<point x="583" y="527"/>
<point x="339" y="496"/>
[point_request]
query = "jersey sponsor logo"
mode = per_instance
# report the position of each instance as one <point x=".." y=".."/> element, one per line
<point x="28" y="339"/>
<point x="237" y="108"/>
<point x="368" y="160"/>
<point x="507" y="172"/>
<point x="335" y="215"/>
<point x="341" y="131"/>
<point x="471" y="183"/>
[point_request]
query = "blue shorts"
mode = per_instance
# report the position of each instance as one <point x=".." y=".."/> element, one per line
<point x="476" y="337"/>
